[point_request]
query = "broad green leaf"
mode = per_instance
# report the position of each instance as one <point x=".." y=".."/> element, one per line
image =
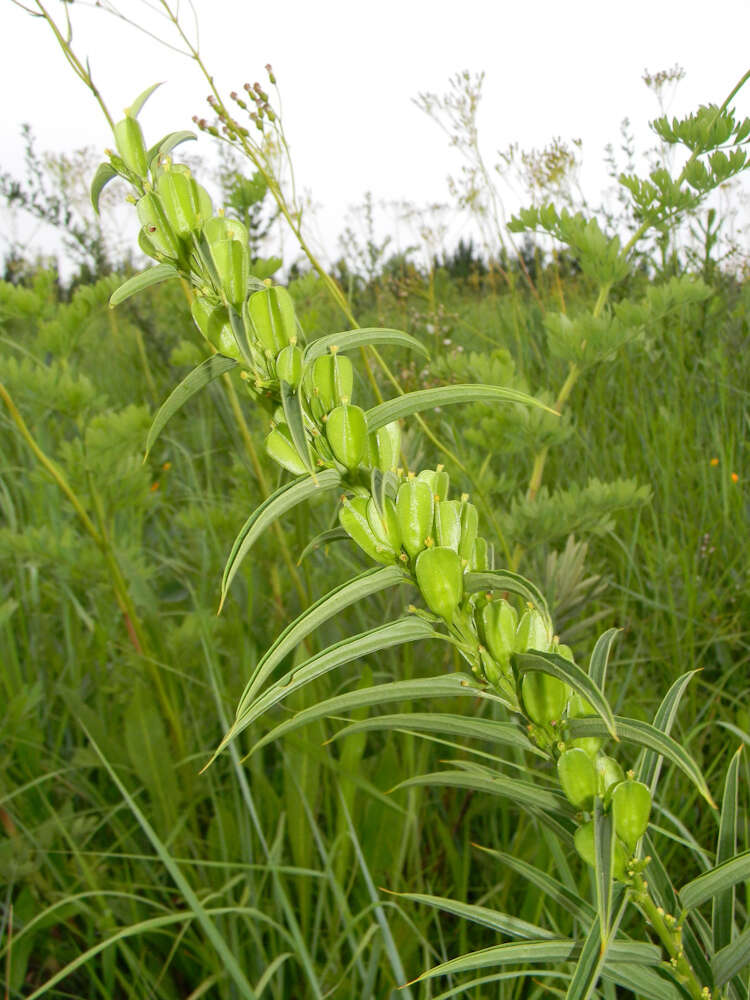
<point x="503" y="923"/>
<point x="292" y="407"/>
<point x="105" y="172"/>
<point x="718" y="880"/>
<point x="523" y="793"/>
<point x="167" y="143"/>
<point x="321" y="540"/>
<point x="546" y="883"/>
<point x="350" y="340"/>
<point x="466" y="727"/>
<point x="151" y="276"/>
<point x="645" y="735"/>
<point x="372" y="581"/>
<point x="198" y="379"/>
<point x="579" y="680"/>
<point x="732" y="959"/>
<point x="452" y="685"/>
<point x="284" y="499"/>
<point x="352" y="648"/>
<point x="135" y="108"/>
<point x="649" y="764"/>
<point x="503" y="579"/>
<point x="600" y="657"/>
<point x="445" y="395"/>
<point x="726" y="848"/>
<point x="604" y="850"/>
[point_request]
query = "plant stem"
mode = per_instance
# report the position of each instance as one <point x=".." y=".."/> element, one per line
<point x="669" y="933"/>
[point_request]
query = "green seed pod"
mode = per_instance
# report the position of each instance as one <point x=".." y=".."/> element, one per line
<point x="220" y="228"/>
<point x="544" y="697"/>
<point x="469" y="528"/>
<point x="156" y="226"/>
<point x="279" y="446"/>
<point x="213" y="323"/>
<point x="181" y="199"/>
<point x="609" y="774"/>
<point x="332" y="380"/>
<point x="438" y="481"/>
<point x="584" y="844"/>
<point x="385" y="524"/>
<point x="289" y="365"/>
<point x="272" y="318"/>
<point x="385" y="447"/>
<point x="346" y="432"/>
<point x="130" y="145"/>
<point x="498" y="622"/>
<point x="532" y="632"/>
<point x="353" y="518"/>
<point x="232" y="262"/>
<point x="631" y="808"/>
<point x="448" y="523"/>
<point x="441" y="580"/>
<point x="415" y="507"/>
<point x="491" y="669"/>
<point x="479" y="561"/>
<point x="578" y="708"/>
<point x="577" y="777"/>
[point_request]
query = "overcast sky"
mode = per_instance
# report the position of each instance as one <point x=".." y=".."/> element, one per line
<point x="348" y="71"/>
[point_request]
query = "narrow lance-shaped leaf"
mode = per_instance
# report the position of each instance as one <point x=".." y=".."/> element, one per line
<point x="166" y="144"/>
<point x="732" y="959"/>
<point x="589" y="965"/>
<point x="444" y="724"/>
<point x="600" y="657"/>
<point x="365" y="585"/>
<point x="645" y="735"/>
<point x="504" y="579"/>
<point x="726" y="846"/>
<point x="198" y="378"/>
<point x="366" y="337"/>
<point x="649" y="765"/>
<point x="522" y="793"/>
<point x="445" y="395"/>
<point x="105" y="172"/>
<point x="503" y="923"/>
<point x="546" y="883"/>
<point x="284" y="499"/>
<point x="570" y="673"/>
<point x="352" y="648"/>
<point x="322" y="540"/>
<point x="135" y="108"/>
<point x="716" y="881"/>
<point x="292" y="406"/>
<point x="151" y="276"/>
<point x="604" y="849"/>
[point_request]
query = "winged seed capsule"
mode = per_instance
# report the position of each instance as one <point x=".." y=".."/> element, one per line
<point x="384" y="446"/>
<point x="332" y="380"/>
<point x="441" y="580"/>
<point x="631" y="808"/>
<point x="346" y="432"/>
<point x="584" y="844"/>
<point x="279" y="446"/>
<point x="353" y="519"/>
<point x="577" y="777"/>
<point x="415" y="507"/>
<point x="130" y="145"/>
<point x="272" y="318"/>
<point x="186" y="204"/>
<point x="213" y="323"/>
<point x="156" y="226"/>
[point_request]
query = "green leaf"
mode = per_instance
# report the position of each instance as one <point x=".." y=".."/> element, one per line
<point x="321" y="540"/>
<point x="553" y="951"/>
<point x="503" y="579"/>
<point x="151" y="276"/>
<point x="600" y="657"/>
<point x="105" y="172"/>
<point x="726" y="847"/>
<point x="716" y="881"/>
<point x="503" y="923"/>
<point x="270" y="510"/>
<point x="523" y="793"/>
<point x="589" y="966"/>
<point x="292" y="406"/>
<point x="445" y="395"/>
<point x="645" y="735"/>
<point x="546" y="883"/>
<point x="198" y="378"/>
<point x="453" y="685"/>
<point x="366" y="337"/>
<point x="352" y="648"/>
<point x="732" y="959"/>
<point x="167" y="143"/>
<point x="579" y="680"/>
<point x="372" y="581"/>
<point x="442" y="723"/>
<point x="644" y="983"/>
<point x="604" y="849"/>
<point x="135" y="108"/>
<point x="649" y="765"/>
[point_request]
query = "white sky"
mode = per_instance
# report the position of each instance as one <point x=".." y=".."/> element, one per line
<point x="348" y="70"/>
